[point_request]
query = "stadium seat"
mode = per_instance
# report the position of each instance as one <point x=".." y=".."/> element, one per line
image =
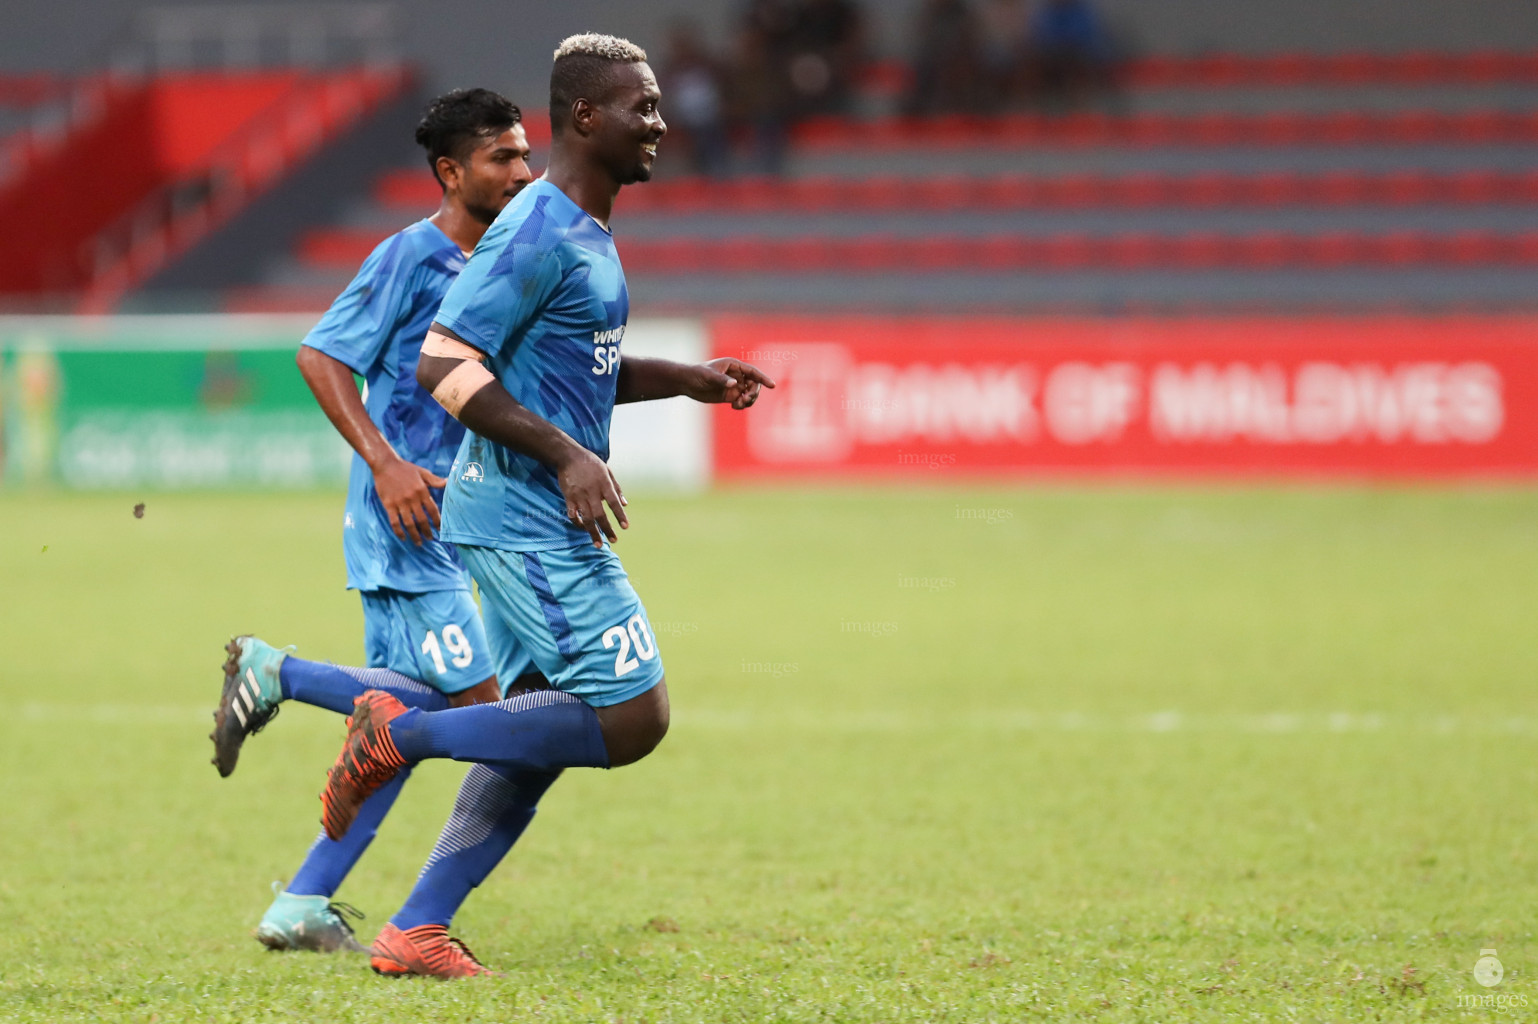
<point x="1201" y="189"/>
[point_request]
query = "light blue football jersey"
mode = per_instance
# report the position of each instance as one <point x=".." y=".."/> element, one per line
<point x="544" y="297"/>
<point x="376" y="327"/>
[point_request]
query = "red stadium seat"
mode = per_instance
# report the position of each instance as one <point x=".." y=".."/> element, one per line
<point x="1488" y="66"/>
<point x="1277" y="189"/>
<point x="1139" y="190"/>
<point x="1414" y="126"/>
<point x="1524" y="187"/>
<point x="1067" y="252"/>
<point x="1475" y="187"/>
<point x="1334" y="249"/>
<point x="1075" y="191"/>
<point x="1209" y="190"/>
<point x="952" y="192"/>
<point x="1216" y="128"/>
<point x="1401" y="248"/>
<point x="733" y="255"/>
<point x="940" y="252"/>
<point x="805" y="253"/>
<point x="1427" y="66"/>
<point x="1003" y="252"/>
<point x="873" y="252"/>
<point x="1150" y="129"/>
<point x="1524" y="248"/>
<point x="1471" y="247"/>
<point x="1342" y="188"/>
<point x="1346" y="126"/>
<point x="1356" y="68"/>
<point x="1133" y="251"/>
<point x="1155" y="72"/>
<point x="337" y="247"/>
<point x="887" y="192"/>
<point x="1291" y="69"/>
<point x="1196" y="251"/>
<point x="1264" y="249"/>
<point x="1284" y="127"/>
<point x="823" y="193"/>
<point x="669" y="255"/>
<point x="1405" y="188"/>
<point x="1226" y="70"/>
<point x="1222" y="69"/>
<point x="1007" y="192"/>
<point x="1478" y="126"/>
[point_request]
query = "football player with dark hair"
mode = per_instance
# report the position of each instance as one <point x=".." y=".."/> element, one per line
<point x="423" y="637"/>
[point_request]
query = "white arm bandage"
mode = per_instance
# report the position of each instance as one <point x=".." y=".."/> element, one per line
<point x="442" y="345"/>
<point x="461" y="385"/>
<point x="463" y="381"/>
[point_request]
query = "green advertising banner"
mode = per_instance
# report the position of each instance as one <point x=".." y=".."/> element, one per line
<point x="161" y="402"/>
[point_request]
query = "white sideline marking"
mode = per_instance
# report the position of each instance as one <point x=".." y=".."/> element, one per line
<point x="1002" y="720"/>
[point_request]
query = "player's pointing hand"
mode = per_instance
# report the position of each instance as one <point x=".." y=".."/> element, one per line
<point x="729" y="381"/>
<point x="408" y="504"/>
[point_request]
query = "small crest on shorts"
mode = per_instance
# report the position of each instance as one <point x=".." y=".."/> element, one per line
<point x="473" y="473"/>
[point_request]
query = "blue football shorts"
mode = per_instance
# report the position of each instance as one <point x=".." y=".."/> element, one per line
<point x="435" y="637"/>
<point x="576" y="615"/>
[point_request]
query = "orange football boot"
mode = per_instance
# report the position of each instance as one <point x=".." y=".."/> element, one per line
<point x="368" y="760"/>
<point x="427" y="950"/>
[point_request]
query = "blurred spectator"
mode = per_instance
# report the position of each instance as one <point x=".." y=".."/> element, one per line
<point x="758" y="95"/>
<point x="825" y="55"/>
<point x="695" y="110"/>
<point x="947" y="60"/>
<point x="791" y="59"/>
<point x="1071" y="53"/>
<point x="1002" y="28"/>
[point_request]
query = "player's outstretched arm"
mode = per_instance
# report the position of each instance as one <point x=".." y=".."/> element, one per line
<point x="720" y="380"/>
<point x="402" y="487"/>
<point x="452" y="370"/>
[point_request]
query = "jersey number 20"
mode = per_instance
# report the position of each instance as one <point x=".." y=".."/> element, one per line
<point x="634" y="630"/>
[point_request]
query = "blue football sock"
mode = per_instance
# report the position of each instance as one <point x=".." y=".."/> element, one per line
<point x="494" y="806"/>
<point x="329" y="860"/>
<point x="542" y="731"/>
<point x="334" y="686"/>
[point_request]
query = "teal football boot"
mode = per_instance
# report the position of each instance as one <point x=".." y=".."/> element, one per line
<point x="308" y="922"/>
<point x="250" y="698"/>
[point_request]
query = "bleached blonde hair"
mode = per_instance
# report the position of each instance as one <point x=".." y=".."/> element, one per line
<point x="596" y="44"/>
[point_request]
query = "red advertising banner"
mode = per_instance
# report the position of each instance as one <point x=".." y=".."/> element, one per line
<point x="1349" y="397"/>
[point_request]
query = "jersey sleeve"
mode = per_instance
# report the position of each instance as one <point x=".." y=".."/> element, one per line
<point x="362" y="319"/>
<point x="505" y="284"/>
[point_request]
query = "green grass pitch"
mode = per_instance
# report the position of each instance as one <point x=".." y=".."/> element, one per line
<point x="1083" y="754"/>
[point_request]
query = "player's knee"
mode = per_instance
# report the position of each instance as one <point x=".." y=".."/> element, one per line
<point x="484" y="692"/>
<point x="635" y="728"/>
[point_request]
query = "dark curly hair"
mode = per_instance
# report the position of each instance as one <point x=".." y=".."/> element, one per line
<point x="456" y="122"/>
